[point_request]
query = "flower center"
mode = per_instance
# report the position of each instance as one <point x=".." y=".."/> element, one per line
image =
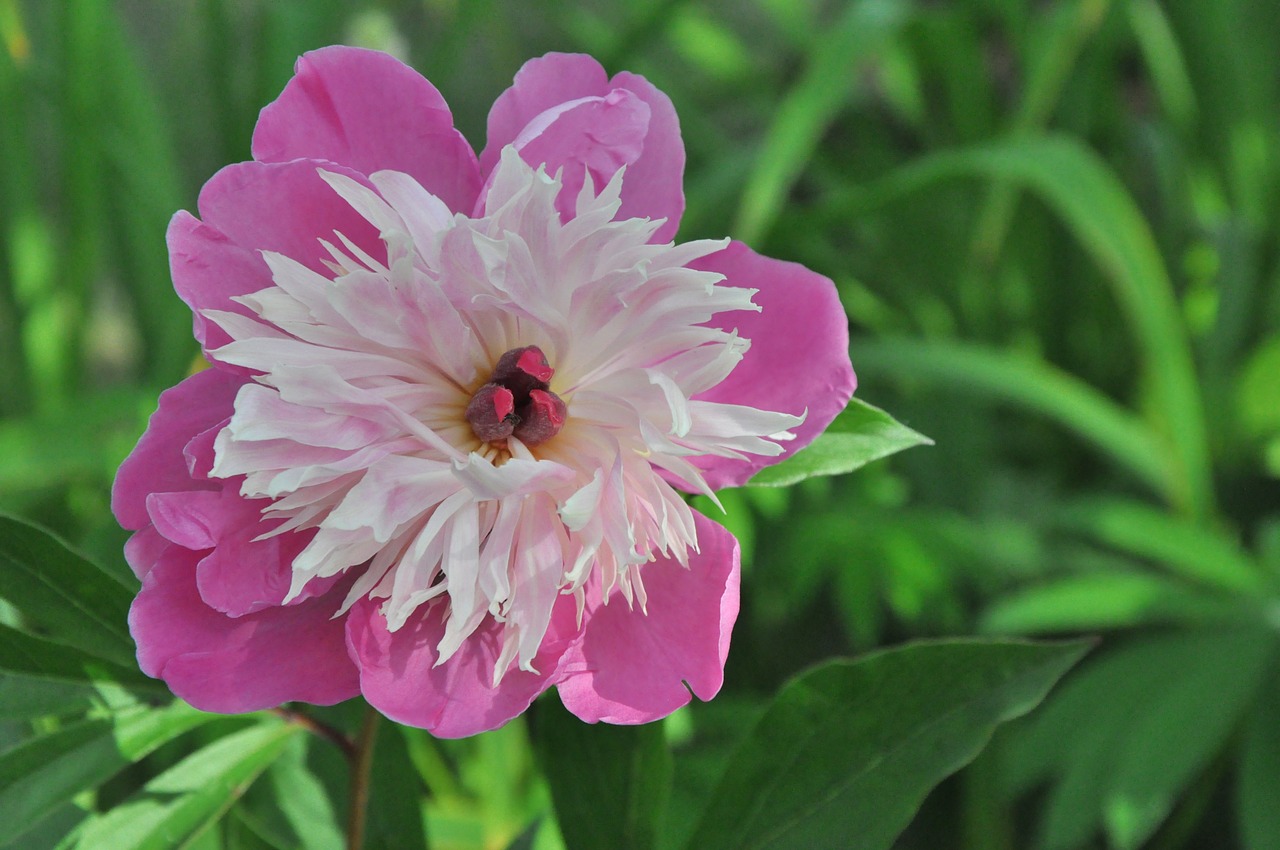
<point x="517" y="400"/>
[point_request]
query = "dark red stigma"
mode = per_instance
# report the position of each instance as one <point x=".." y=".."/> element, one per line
<point x="517" y="400"/>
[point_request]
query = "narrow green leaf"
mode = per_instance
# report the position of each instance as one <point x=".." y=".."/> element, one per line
<point x="31" y="659"/>
<point x="859" y="435"/>
<point x="1163" y="56"/>
<point x="61" y="595"/>
<point x="848" y="751"/>
<point x="627" y="768"/>
<point x="1187" y="550"/>
<point x="1123" y="770"/>
<point x="1103" y="600"/>
<point x="396" y="795"/>
<point x="302" y="799"/>
<point x="44" y="772"/>
<point x="1259" y="774"/>
<point x="810" y="107"/>
<point x="179" y="804"/>
<point x="1092" y="202"/>
<point x="23" y="697"/>
<point x="1034" y="385"/>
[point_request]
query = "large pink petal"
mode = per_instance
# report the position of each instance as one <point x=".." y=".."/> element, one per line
<point x="631" y="667"/>
<point x="250" y="207"/>
<point x="157" y="463"/>
<point x="799" y="356"/>
<point x="399" y="678"/>
<point x="654" y="185"/>
<point x="257" y="661"/>
<point x="370" y="112"/>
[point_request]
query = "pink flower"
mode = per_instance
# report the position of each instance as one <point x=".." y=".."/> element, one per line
<point x="453" y="402"/>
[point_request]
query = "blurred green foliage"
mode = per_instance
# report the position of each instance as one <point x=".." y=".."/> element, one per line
<point x="1054" y="228"/>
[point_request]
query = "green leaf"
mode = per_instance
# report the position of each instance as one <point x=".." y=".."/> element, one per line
<point x="1037" y="386"/>
<point x="395" y="795"/>
<point x="859" y="435"/>
<point x="1102" y="600"/>
<point x="302" y="799"/>
<point x="179" y="804"/>
<point x="1121" y="769"/>
<point x="627" y="768"/>
<point x="1259" y="774"/>
<point x="809" y="108"/>
<point x="44" y="772"/>
<point x="30" y="660"/>
<point x="62" y="596"/>
<point x="1195" y="553"/>
<point x="1094" y="204"/>
<point x="848" y="751"/>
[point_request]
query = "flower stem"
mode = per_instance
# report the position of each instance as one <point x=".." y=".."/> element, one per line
<point x="322" y="730"/>
<point x="361" y="768"/>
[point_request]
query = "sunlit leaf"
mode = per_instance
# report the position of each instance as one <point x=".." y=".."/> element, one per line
<point x="191" y="795"/>
<point x="859" y="435"/>
<point x="46" y="771"/>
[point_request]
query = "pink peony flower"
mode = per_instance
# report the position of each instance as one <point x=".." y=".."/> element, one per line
<point x="453" y="403"/>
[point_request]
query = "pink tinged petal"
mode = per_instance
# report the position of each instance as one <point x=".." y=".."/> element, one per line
<point x="285" y="208"/>
<point x="208" y="270"/>
<point x="594" y="135"/>
<point x="370" y="112"/>
<point x="222" y="664"/>
<point x="631" y="667"/>
<point x="157" y="463"/>
<point x="399" y="676"/>
<point x="655" y="179"/>
<point x="799" y="355"/>
<point x="541" y="84"/>
<point x="239" y="574"/>
<point x="143" y="550"/>
<point x="654" y="186"/>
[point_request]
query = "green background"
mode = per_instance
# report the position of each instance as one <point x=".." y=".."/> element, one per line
<point x="1054" y="228"/>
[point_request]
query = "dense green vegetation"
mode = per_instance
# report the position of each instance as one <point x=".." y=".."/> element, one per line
<point x="1055" y="227"/>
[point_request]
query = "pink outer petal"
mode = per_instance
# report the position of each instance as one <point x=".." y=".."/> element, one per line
<point x="370" y="112"/>
<point x="630" y="667"/>
<point x="654" y="185"/>
<point x="399" y="678"/>
<point x="250" y="207"/>
<point x="157" y="463"/>
<point x="241" y="573"/>
<point x="799" y="356"/>
<point x="217" y="663"/>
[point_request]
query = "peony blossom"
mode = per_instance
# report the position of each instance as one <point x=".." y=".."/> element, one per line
<point x="455" y="403"/>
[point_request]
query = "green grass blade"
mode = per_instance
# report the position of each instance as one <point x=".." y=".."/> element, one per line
<point x="1095" y="206"/>
<point x="1035" y="386"/>
<point x="809" y="108"/>
<point x="1184" y="549"/>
